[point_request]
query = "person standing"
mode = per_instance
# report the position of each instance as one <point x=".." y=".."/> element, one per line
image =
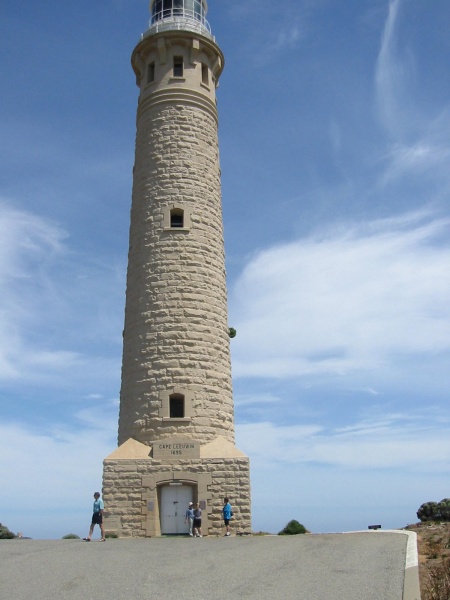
<point x="227" y="514"/>
<point x="97" y="518"/>
<point x="189" y="518"/>
<point x="197" y="521"/>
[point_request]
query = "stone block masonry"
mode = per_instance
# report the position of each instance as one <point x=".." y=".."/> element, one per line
<point x="131" y="487"/>
<point x="176" y="319"/>
<point x="176" y="422"/>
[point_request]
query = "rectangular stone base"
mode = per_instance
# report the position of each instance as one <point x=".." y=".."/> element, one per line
<point x="132" y="492"/>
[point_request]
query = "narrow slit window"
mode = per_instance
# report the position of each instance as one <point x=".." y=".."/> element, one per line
<point x="151" y="72"/>
<point x="177" y="217"/>
<point x="178" y="66"/>
<point x="176" y="406"/>
<point x="205" y="74"/>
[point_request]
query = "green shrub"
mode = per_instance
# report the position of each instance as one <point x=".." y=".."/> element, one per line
<point x="293" y="528"/>
<point x="435" y="511"/>
<point x="71" y="536"/>
<point x="5" y="533"/>
<point x="111" y="535"/>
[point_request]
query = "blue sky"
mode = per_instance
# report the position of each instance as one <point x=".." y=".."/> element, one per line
<point x="335" y="157"/>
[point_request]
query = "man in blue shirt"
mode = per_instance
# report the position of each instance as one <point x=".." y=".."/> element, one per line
<point x="97" y="518"/>
<point x="227" y="514"/>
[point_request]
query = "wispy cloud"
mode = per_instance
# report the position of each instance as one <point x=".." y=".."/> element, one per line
<point x="272" y="32"/>
<point x="26" y="242"/>
<point x="46" y="288"/>
<point x="418" y="143"/>
<point x="346" y="300"/>
<point x="426" y="158"/>
<point x="391" y="72"/>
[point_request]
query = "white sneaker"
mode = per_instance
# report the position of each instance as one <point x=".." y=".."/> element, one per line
<point x="227" y="534"/>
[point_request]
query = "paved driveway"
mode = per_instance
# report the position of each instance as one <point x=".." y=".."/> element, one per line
<point x="356" y="566"/>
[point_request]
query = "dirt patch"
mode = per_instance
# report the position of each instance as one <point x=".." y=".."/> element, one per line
<point x="433" y="544"/>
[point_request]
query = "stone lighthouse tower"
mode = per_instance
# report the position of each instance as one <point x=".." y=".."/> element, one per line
<point x="176" y="423"/>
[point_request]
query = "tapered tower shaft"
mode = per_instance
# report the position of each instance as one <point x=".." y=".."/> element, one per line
<point x="176" y="374"/>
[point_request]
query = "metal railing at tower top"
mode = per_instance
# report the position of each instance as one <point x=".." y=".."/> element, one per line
<point x="179" y="19"/>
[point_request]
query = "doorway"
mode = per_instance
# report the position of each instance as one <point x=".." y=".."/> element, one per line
<point x="174" y="502"/>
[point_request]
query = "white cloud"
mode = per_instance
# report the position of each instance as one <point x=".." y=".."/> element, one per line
<point x="356" y="298"/>
<point x="256" y="399"/>
<point x="57" y="463"/>
<point x="393" y="442"/>
<point x="55" y="471"/>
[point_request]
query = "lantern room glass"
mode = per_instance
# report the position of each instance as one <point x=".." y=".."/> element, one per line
<point x="167" y="9"/>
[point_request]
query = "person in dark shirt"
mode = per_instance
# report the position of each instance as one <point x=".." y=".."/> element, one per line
<point x="197" y="521"/>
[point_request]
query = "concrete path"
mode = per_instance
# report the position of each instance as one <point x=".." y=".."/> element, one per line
<point x="353" y="566"/>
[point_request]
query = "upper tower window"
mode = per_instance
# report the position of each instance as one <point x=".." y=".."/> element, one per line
<point x="151" y="73"/>
<point x="177" y="217"/>
<point x="176" y="403"/>
<point x="178" y="66"/>
<point x="176" y="406"/>
<point x="205" y="74"/>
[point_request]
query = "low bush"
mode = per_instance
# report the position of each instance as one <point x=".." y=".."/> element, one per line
<point x="5" y="533"/>
<point x="435" y="511"/>
<point x="71" y="536"/>
<point x="293" y="528"/>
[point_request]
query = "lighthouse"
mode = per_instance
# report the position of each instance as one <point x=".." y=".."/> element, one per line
<point x="176" y="440"/>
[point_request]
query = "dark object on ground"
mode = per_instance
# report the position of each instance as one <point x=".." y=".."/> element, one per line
<point x="375" y="527"/>
<point x="70" y="536"/>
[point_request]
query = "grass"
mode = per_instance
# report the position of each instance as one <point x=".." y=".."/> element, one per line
<point x="433" y="541"/>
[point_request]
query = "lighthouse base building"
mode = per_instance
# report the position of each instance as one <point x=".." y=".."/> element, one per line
<point x="176" y="423"/>
<point x="147" y="490"/>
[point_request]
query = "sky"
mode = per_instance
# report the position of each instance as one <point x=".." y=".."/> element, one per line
<point x="335" y="156"/>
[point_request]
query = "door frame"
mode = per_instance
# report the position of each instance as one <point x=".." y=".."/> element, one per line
<point x="151" y="496"/>
<point x="190" y="490"/>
